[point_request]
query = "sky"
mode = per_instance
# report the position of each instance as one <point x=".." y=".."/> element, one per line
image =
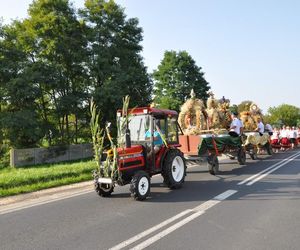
<point x="248" y="50"/>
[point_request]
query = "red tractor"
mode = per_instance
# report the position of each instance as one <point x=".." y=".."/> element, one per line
<point x="140" y="158"/>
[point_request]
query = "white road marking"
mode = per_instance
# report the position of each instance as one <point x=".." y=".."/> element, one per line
<point x="197" y="211"/>
<point x="269" y="172"/>
<point x="150" y="230"/>
<point x="167" y="231"/>
<point x="267" y="169"/>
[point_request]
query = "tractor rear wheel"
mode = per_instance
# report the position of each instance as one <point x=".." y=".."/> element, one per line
<point x="140" y="186"/>
<point x="103" y="189"/>
<point x="213" y="164"/>
<point x="174" y="169"/>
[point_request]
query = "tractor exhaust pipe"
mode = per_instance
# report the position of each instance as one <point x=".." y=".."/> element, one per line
<point x="127" y="136"/>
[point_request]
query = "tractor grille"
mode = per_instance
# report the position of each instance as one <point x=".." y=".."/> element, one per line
<point x="132" y="163"/>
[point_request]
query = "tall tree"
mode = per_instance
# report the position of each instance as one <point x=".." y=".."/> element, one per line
<point x="53" y="61"/>
<point x="59" y="49"/>
<point x="115" y="65"/>
<point x="284" y="114"/>
<point x="19" y="118"/>
<point x="174" y="79"/>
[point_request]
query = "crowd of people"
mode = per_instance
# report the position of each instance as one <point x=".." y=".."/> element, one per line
<point x="281" y="138"/>
<point x="285" y="137"/>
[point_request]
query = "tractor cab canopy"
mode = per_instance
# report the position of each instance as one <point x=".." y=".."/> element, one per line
<point x="143" y="119"/>
<point x="149" y="110"/>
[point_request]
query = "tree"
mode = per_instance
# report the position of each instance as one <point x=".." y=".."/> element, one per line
<point x="284" y="114"/>
<point x="115" y="65"/>
<point x="233" y="108"/>
<point x="43" y="70"/>
<point x="19" y="120"/>
<point x="58" y="48"/>
<point x="174" y="79"/>
<point x="52" y="62"/>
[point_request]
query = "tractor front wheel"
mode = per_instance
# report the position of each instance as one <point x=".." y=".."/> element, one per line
<point x="103" y="189"/>
<point x="140" y="186"/>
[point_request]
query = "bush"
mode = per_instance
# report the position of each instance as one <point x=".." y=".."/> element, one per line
<point x="4" y="156"/>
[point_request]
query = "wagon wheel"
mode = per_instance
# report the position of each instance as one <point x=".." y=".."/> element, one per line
<point x="269" y="148"/>
<point x="213" y="164"/>
<point x="253" y="153"/>
<point x="241" y="157"/>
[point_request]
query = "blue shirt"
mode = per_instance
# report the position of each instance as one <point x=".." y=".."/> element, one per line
<point x="158" y="140"/>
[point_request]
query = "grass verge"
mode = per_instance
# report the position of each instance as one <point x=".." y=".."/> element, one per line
<point x="28" y="179"/>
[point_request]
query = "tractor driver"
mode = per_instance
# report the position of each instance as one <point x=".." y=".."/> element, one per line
<point x="157" y="139"/>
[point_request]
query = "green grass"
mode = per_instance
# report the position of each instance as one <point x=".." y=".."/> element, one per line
<point x="28" y="179"/>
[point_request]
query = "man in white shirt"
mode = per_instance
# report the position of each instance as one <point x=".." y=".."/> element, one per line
<point x="269" y="129"/>
<point x="236" y="126"/>
<point x="292" y="135"/>
<point x="260" y="126"/>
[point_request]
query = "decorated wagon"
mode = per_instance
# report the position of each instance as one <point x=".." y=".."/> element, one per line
<point x="254" y="142"/>
<point x="212" y="146"/>
<point x="205" y="132"/>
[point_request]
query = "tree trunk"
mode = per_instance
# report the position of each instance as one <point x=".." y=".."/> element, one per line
<point x="67" y="128"/>
<point x="76" y="129"/>
<point x="1" y="132"/>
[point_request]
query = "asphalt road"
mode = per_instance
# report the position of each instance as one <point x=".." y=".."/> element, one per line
<point x="256" y="206"/>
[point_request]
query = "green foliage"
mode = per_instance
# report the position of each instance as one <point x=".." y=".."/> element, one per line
<point x="21" y="128"/>
<point x="109" y="167"/>
<point x="233" y="108"/>
<point x="28" y="179"/>
<point x="122" y="122"/>
<point x="115" y="63"/>
<point x="18" y="92"/>
<point x="4" y="156"/>
<point x="59" y="50"/>
<point x="97" y="134"/>
<point x="284" y="114"/>
<point x="54" y="61"/>
<point x="174" y="79"/>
